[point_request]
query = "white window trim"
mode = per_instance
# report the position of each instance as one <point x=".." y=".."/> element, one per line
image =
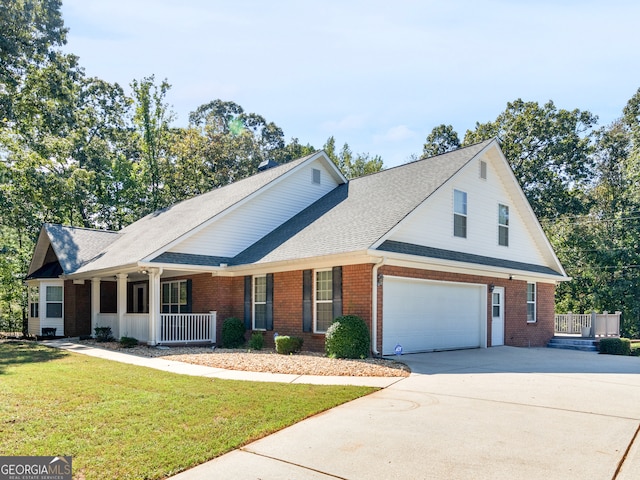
<point x="254" y="302"/>
<point x="47" y="301"/>
<point x="464" y="215"/>
<point x="534" y="303"/>
<point x="162" y="303"/>
<point x="500" y="225"/>
<point x="316" y="302"/>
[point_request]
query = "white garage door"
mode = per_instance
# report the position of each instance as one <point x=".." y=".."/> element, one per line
<point x="423" y="315"/>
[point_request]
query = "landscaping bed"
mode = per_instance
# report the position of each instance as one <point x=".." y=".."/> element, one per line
<point x="303" y="363"/>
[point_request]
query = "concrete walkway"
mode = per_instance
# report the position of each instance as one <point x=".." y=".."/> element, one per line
<point x="204" y="371"/>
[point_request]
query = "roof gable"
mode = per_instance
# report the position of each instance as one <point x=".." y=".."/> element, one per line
<point x="159" y="231"/>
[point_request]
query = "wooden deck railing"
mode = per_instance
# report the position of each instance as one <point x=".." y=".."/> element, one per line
<point x="588" y="324"/>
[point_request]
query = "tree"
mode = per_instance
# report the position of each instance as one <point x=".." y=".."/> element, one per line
<point x="549" y="150"/>
<point x="442" y="139"/>
<point x="151" y="119"/>
<point x="352" y="166"/>
<point x="30" y="29"/>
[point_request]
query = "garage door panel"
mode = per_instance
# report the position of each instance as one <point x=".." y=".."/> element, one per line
<point x="423" y="315"/>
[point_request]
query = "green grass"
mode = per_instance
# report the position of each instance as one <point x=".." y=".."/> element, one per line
<point x="120" y="421"/>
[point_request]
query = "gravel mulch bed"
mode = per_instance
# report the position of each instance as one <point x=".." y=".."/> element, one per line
<point x="304" y="363"/>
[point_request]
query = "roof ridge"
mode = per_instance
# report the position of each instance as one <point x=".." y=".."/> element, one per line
<point x="88" y="229"/>
<point x="422" y="159"/>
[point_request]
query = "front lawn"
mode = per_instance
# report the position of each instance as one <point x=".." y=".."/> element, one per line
<point x="121" y="421"/>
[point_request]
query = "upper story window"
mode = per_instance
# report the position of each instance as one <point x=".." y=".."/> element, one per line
<point x="460" y="213"/>
<point x="174" y="296"/>
<point x="531" y="302"/>
<point x="503" y="225"/>
<point x="323" y="298"/>
<point x="260" y="303"/>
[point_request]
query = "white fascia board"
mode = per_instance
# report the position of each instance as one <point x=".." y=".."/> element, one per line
<point x="318" y="155"/>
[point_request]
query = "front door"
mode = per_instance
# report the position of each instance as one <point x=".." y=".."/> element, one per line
<point x="140" y="299"/>
<point x="497" y="316"/>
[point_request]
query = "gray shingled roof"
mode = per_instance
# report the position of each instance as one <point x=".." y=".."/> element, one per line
<point x="158" y="229"/>
<point x="75" y="246"/>
<point x="354" y="216"/>
<point x="430" y="252"/>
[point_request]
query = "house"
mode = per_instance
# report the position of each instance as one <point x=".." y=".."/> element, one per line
<point x="440" y="253"/>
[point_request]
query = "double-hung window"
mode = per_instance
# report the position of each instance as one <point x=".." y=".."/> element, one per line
<point x="34" y="301"/>
<point x="174" y="296"/>
<point x="460" y="214"/>
<point x="323" y="298"/>
<point x="54" y="302"/>
<point x="531" y="302"/>
<point x="503" y="225"/>
<point x="260" y="303"/>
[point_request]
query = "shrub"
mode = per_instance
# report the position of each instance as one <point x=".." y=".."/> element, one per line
<point x="287" y="345"/>
<point x="635" y="349"/>
<point x="128" y="342"/>
<point x="256" y="341"/>
<point x="103" y="334"/>
<point x="347" y="337"/>
<point x="233" y="333"/>
<point x="615" y="346"/>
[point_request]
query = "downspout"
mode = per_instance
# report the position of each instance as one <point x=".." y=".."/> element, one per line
<point x="374" y="306"/>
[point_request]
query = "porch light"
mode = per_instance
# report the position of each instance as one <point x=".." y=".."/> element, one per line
<point x="144" y="272"/>
<point x="491" y="287"/>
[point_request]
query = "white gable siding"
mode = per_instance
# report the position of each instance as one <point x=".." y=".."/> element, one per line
<point x="432" y="223"/>
<point x="243" y="226"/>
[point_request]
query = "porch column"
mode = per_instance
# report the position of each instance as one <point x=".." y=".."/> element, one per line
<point x="154" y="305"/>
<point x="95" y="304"/>
<point x="122" y="303"/>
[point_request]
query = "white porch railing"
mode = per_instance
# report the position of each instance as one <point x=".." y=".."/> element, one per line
<point x="187" y="327"/>
<point x="588" y="324"/>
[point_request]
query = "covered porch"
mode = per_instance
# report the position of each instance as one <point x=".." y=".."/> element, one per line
<point x="152" y="306"/>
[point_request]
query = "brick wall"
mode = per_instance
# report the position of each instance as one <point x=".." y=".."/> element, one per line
<point x="518" y="332"/>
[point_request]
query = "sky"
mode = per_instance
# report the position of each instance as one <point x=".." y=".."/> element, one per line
<point x="378" y="75"/>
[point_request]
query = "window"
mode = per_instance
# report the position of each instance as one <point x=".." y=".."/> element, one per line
<point x="531" y="302"/>
<point x="460" y="214"/>
<point x="323" y="300"/>
<point x="315" y="176"/>
<point x="174" y="296"/>
<point x="54" y="302"/>
<point x="503" y="225"/>
<point x="34" y="302"/>
<point x="260" y="303"/>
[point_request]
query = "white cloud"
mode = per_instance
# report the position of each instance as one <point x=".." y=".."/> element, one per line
<point x="399" y="133"/>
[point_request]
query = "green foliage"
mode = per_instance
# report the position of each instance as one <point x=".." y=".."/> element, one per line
<point x="256" y="342"/>
<point x="128" y="342"/>
<point x="103" y="334"/>
<point x="287" y="345"/>
<point x="615" y="346"/>
<point x="352" y="166"/>
<point x="233" y="331"/>
<point x="442" y="139"/>
<point x="348" y="337"/>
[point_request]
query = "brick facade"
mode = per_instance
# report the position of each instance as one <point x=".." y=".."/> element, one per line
<point x="225" y="295"/>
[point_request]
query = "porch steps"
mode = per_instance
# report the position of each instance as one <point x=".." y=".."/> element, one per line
<point x="569" y="343"/>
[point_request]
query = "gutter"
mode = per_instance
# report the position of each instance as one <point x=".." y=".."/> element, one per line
<point x="374" y="306"/>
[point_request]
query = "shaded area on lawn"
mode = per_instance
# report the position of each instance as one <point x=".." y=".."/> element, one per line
<point x="25" y="352"/>
<point x="122" y="421"/>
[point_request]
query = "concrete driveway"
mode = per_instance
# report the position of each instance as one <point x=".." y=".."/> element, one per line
<point x="498" y="413"/>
